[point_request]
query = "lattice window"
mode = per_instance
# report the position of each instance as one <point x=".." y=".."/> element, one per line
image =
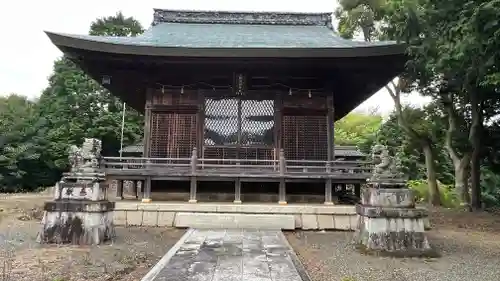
<point x="221" y="122"/>
<point x="305" y="137"/>
<point x="257" y="122"/>
<point x="239" y="129"/>
<point x="173" y="135"/>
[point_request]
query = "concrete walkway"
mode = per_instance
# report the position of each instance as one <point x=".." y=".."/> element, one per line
<point x="229" y="255"/>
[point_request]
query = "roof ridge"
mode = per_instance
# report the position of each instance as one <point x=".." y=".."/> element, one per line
<point x="240" y="17"/>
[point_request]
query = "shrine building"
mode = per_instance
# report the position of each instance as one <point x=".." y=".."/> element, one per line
<point x="238" y="106"/>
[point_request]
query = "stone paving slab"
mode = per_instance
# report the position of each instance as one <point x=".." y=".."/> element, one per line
<point x="229" y="255"/>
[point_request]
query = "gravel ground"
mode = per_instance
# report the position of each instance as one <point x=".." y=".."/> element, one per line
<point x="128" y="258"/>
<point x="467" y="256"/>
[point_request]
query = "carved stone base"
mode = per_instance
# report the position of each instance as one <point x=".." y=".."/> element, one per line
<point x="81" y="222"/>
<point x="389" y="224"/>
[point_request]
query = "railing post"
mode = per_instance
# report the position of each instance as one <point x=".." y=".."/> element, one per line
<point x="194" y="160"/>
<point x="119" y="189"/>
<point x="282" y="162"/>
<point x="282" y="187"/>
<point x="192" y="189"/>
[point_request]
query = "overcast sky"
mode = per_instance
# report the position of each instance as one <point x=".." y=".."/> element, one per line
<point x="27" y="55"/>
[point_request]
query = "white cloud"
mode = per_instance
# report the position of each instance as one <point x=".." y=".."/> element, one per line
<point x="27" y="55"/>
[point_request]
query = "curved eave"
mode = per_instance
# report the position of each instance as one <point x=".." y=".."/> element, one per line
<point x="61" y="41"/>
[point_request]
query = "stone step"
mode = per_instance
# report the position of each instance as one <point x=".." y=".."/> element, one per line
<point x="234" y="221"/>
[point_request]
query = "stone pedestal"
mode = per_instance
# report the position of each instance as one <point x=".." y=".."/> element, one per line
<point x="389" y="223"/>
<point x="80" y="212"/>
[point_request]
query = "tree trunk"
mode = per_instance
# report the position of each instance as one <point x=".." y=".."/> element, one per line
<point x="434" y="196"/>
<point x="395" y="93"/>
<point x="475" y="181"/>
<point x="462" y="183"/>
<point x="475" y="141"/>
<point x="460" y="165"/>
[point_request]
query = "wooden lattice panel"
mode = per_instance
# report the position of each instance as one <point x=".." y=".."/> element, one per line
<point x="257" y="153"/>
<point x="172" y="135"/>
<point x="305" y="137"/>
<point x="175" y="97"/>
<point x="219" y="152"/>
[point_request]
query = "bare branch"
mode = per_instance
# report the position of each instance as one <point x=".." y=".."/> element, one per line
<point x="396" y="97"/>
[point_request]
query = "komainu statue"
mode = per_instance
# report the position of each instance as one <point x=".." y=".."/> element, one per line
<point x="75" y="157"/>
<point x="386" y="166"/>
<point x="85" y="157"/>
<point x="91" y="152"/>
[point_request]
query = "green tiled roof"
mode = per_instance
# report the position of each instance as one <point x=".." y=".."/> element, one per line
<point x="196" y="35"/>
<point x="234" y="30"/>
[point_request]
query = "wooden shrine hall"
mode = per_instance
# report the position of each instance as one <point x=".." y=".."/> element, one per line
<point x="238" y="106"/>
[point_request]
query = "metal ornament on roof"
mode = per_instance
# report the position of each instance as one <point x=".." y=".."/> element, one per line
<point x="240" y="86"/>
<point x="106" y="80"/>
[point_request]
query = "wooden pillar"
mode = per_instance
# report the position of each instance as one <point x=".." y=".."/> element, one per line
<point x="328" y="192"/>
<point x="200" y="124"/>
<point x="278" y="123"/>
<point x="192" y="189"/>
<point x="282" y="186"/>
<point x="146" y="184"/>
<point x="330" y="130"/>
<point x="237" y="191"/>
<point x="239" y="136"/>
<point x="147" y="191"/>
<point x="357" y="190"/>
<point x="138" y="186"/>
<point x="147" y="124"/>
<point x="119" y="190"/>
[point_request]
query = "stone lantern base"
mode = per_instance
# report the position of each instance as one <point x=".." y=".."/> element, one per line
<point x="79" y="214"/>
<point x="389" y="223"/>
<point x="77" y="222"/>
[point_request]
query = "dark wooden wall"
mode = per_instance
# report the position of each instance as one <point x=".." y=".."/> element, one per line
<point x="175" y="124"/>
<point x="304" y="126"/>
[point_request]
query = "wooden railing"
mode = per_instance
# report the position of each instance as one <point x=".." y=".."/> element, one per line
<point x="195" y="166"/>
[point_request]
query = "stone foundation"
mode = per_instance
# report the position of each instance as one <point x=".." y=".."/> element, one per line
<point x="77" y="222"/>
<point x="79" y="214"/>
<point x="169" y="214"/>
<point x="389" y="224"/>
<point x="229" y="197"/>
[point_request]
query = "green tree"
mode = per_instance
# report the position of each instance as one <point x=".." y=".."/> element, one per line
<point x="74" y="106"/>
<point x="356" y="128"/>
<point x="365" y="15"/>
<point x="454" y="48"/>
<point x="22" y="146"/>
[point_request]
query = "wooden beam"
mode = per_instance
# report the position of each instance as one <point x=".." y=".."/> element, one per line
<point x="330" y="130"/>
<point x="147" y="125"/>
<point x="186" y="109"/>
<point x="278" y="123"/>
<point x="200" y="124"/>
